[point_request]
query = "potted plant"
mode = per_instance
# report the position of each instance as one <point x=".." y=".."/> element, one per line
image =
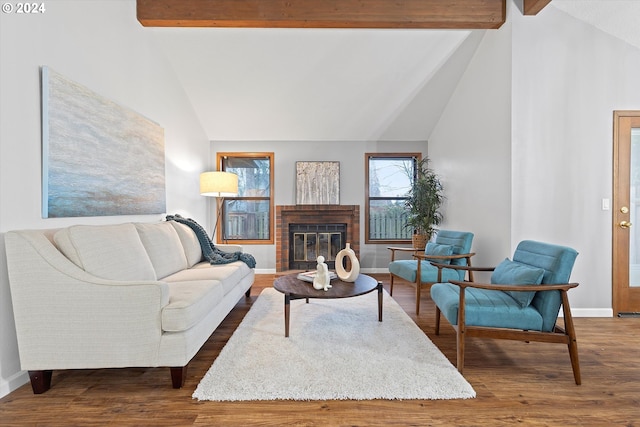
<point x="423" y="203"/>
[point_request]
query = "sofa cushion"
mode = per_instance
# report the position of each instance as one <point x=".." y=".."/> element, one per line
<point x="163" y="247"/>
<point x="227" y="274"/>
<point x="113" y="252"/>
<point x="189" y="303"/>
<point x="514" y="273"/>
<point x="190" y="243"/>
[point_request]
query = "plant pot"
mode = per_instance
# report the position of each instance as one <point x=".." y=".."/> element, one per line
<point x="419" y="241"/>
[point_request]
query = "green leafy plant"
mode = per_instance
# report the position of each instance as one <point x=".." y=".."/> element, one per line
<point x="424" y="200"/>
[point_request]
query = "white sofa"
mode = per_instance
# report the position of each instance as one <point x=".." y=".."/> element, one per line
<point x="109" y="296"/>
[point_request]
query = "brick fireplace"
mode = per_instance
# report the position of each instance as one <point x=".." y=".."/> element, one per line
<point x="314" y="214"/>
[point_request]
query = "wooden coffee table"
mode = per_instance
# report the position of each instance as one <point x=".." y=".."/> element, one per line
<point x="294" y="288"/>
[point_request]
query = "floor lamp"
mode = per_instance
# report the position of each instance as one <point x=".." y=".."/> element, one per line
<point x="218" y="184"/>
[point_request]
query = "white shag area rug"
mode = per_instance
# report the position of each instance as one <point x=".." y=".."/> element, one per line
<point x="336" y="350"/>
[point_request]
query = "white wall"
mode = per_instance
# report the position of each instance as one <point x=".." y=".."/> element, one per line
<point x="568" y="78"/>
<point x="306" y="84"/>
<point x="98" y="44"/>
<point x="470" y="149"/>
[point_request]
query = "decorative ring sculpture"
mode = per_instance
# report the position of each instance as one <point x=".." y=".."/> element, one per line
<point x="351" y="275"/>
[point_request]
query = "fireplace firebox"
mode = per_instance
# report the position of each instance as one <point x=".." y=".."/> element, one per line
<point x="315" y="215"/>
<point x="308" y="241"/>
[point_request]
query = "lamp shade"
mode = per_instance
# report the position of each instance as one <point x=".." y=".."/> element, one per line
<point x="218" y="184"/>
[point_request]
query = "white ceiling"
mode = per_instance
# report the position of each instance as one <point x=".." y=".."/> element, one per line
<point x="303" y="84"/>
<point x="620" y="18"/>
<point x="344" y="85"/>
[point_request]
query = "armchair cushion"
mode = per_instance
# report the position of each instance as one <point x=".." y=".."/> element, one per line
<point x="433" y="248"/>
<point x="514" y="273"/>
<point x="488" y="308"/>
<point x="407" y="269"/>
<point x="458" y="241"/>
<point x="461" y="242"/>
<point x="557" y="262"/>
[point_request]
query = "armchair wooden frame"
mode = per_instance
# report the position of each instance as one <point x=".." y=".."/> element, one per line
<point x="562" y="335"/>
<point x="419" y="255"/>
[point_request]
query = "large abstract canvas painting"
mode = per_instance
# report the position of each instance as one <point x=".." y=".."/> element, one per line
<point x="99" y="158"/>
<point x="317" y="183"/>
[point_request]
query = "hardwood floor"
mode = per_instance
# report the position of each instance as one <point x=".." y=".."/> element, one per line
<point x="515" y="382"/>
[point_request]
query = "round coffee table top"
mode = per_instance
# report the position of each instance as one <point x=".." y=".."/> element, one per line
<point x="290" y="284"/>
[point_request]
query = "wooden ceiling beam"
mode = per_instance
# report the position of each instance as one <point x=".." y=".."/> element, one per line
<point x="532" y="7"/>
<point x="436" y="14"/>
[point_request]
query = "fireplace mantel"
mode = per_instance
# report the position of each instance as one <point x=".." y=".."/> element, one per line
<point x="313" y="214"/>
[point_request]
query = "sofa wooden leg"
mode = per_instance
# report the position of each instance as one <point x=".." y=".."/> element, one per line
<point x="391" y="285"/>
<point x="40" y="381"/>
<point x="178" y="375"/>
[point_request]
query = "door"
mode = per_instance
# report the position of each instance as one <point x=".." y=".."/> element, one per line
<point x="626" y="212"/>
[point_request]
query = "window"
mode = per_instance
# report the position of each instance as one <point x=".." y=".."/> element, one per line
<point x="248" y="218"/>
<point x="388" y="180"/>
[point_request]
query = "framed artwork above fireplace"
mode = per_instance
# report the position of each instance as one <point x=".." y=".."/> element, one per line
<point x="317" y="183"/>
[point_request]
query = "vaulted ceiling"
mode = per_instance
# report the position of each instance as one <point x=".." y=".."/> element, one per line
<point x="620" y="18"/>
<point x="328" y="84"/>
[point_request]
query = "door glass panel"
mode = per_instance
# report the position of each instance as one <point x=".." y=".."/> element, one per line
<point x="634" y="215"/>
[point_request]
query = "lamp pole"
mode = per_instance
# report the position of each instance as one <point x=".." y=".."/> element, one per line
<point x="218" y="184"/>
<point x="220" y="204"/>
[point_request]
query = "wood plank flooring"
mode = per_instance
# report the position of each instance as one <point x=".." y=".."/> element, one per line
<point x="516" y="383"/>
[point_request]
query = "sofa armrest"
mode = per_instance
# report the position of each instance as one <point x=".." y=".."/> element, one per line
<point x="67" y="318"/>
<point x="228" y="247"/>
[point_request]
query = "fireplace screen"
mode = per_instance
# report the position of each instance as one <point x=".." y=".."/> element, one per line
<point x="308" y="246"/>
<point x="309" y="241"/>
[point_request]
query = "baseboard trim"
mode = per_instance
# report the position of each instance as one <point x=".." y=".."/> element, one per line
<point x="375" y="270"/>
<point x="590" y="312"/>
<point x="13" y="383"/>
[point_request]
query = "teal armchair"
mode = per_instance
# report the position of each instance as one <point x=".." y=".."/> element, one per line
<point x="434" y="264"/>
<point x="522" y="302"/>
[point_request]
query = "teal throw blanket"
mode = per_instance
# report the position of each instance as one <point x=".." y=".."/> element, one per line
<point x="209" y="251"/>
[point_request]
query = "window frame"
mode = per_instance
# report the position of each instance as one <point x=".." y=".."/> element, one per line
<point x="416" y="157"/>
<point x="220" y="157"/>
